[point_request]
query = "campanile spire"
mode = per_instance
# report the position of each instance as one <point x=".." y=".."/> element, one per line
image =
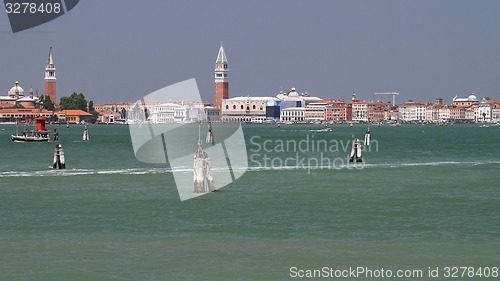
<point x="50" y="78"/>
<point x="221" y="78"/>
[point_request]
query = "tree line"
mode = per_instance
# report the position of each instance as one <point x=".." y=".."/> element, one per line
<point x="76" y="101"/>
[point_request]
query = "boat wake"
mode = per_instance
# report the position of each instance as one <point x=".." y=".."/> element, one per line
<point x="145" y="171"/>
<point x="79" y="172"/>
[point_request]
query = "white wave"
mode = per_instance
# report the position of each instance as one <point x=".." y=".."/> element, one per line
<point x="144" y="171"/>
<point x="364" y="165"/>
<point x="78" y="172"/>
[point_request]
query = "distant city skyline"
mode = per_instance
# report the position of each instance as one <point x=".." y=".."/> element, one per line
<point x="120" y="51"/>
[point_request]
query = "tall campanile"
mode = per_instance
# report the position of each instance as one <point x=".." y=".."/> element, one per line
<point x="221" y="81"/>
<point x="50" y="78"/>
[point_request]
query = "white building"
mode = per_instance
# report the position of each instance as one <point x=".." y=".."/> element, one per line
<point x="361" y="109"/>
<point x="166" y="113"/>
<point x="429" y="114"/>
<point x="413" y="111"/>
<point x="443" y="114"/>
<point x="184" y="113"/>
<point x="315" y="112"/>
<point x="293" y="114"/>
<point x="246" y="109"/>
<point x="254" y="109"/>
<point x="470" y="114"/>
<point x="483" y="112"/>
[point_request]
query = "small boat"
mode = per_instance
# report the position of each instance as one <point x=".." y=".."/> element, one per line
<point x="40" y="134"/>
<point x="484" y="126"/>
<point x="326" y="129"/>
<point x="32" y="138"/>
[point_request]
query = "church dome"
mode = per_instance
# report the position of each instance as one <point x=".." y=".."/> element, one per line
<point x="12" y="91"/>
<point x="293" y="93"/>
<point x="472" y="97"/>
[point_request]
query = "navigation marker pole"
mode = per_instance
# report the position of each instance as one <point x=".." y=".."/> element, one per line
<point x="202" y="169"/>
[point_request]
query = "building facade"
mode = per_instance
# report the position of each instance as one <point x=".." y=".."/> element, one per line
<point x="293" y="115"/>
<point x="315" y="112"/>
<point x="465" y="102"/>
<point x="413" y="111"/>
<point x="16" y="98"/>
<point x="336" y="110"/>
<point x="245" y="109"/>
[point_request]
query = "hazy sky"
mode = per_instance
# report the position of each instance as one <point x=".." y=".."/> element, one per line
<point x="115" y="50"/>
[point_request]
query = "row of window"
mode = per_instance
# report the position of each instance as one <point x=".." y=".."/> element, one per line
<point x="248" y="107"/>
<point x="23" y="115"/>
<point x="293" y="113"/>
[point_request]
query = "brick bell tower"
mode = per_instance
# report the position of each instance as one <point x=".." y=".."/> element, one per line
<point x="50" y="78"/>
<point x="221" y="81"/>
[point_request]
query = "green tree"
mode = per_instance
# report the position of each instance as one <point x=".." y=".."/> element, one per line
<point x="75" y="101"/>
<point x="46" y="103"/>
<point x="91" y="106"/>
<point x="92" y="111"/>
<point x="123" y="113"/>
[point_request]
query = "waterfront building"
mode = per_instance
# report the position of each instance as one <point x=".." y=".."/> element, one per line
<point x="183" y="112"/>
<point x="413" y="111"/>
<point x="465" y="102"/>
<point x="315" y="112"/>
<point x="432" y="110"/>
<point x="443" y="113"/>
<point x="483" y="112"/>
<point x="26" y="114"/>
<point x="495" y="111"/>
<point x="259" y="109"/>
<point x="469" y="113"/>
<point x="73" y="116"/>
<point x="360" y="109"/>
<point x="166" y="113"/>
<point x="108" y="116"/>
<point x="50" y="78"/>
<point x="221" y="78"/>
<point x="293" y="114"/>
<point x="212" y="114"/>
<point x="379" y="114"/>
<point x="16" y="98"/>
<point x="360" y="112"/>
<point x="457" y="113"/>
<point x="336" y="110"/>
<point x="429" y="113"/>
<point x="246" y="109"/>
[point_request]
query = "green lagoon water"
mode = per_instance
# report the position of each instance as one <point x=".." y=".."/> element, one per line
<point x="429" y="196"/>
